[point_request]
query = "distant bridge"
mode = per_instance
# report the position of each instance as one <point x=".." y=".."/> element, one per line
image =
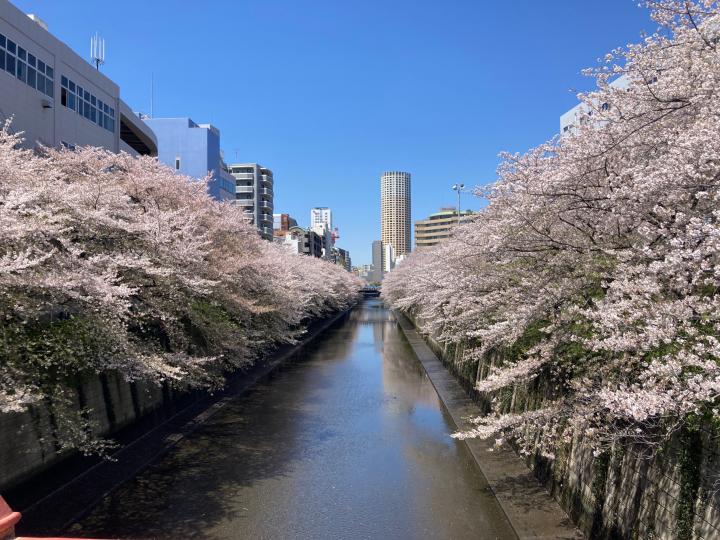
<point x="370" y="292"/>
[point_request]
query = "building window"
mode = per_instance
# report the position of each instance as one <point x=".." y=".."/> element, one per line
<point x="25" y="66"/>
<point x="85" y="104"/>
<point x="177" y="163"/>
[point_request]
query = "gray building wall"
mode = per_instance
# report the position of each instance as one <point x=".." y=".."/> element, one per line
<point x="32" y="96"/>
<point x="254" y="191"/>
<point x="377" y="261"/>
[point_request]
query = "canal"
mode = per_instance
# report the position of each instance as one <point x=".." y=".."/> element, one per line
<point x="348" y="440"/>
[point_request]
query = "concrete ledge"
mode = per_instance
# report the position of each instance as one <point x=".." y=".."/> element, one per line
<point x="531" y="510"/>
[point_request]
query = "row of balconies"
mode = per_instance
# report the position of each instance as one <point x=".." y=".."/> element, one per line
<point x="250" y="189"/>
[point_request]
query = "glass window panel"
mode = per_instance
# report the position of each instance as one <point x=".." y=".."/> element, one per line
<point x="105" y="107"/>
<point x="31" y="80"/>
<point x="86" y="112"/>
<point x="112" y="112"/>
<point x="22" y="53"/>
<point x="49" y="72"/>
<point x="41" y="66"/>
<point x="86" y="95"/>
<point x="11" y="47"/>
<point x="40" y="83"/>
<point x="31" y="60"/>
<point x="112" y="125"/>
<point x="71" y="86"/>
<point x="2" y="60"/>
<point x="9" y="63"/>
<point x="21" y="70"/>
<point x="64" y="81"/>
<point x="64" y="97"/>
<point x="49" y="88"/>
<point x="93" y="101"/>
<point x="93" y="115"/>
<point x="2" y="40"/>
<point x="71" y="101"/>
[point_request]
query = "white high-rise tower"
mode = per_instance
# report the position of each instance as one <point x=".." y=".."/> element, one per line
<point x="395" y="212"/>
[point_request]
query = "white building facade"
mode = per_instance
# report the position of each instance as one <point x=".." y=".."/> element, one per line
<point x="395" y="201"/>
<point x="319" y="215"/>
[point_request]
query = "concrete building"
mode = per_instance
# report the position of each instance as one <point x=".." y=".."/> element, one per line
<point x="319" y="215"/>
<point x="388" y="258"/>
<point x="325" y="234"/>
<point x="283" y="222"/>
<point x="193" y="150"/>
<point x="377" y="261"/>
<point x="439" y="226"/>
<point x="395" y="213"/>
<point x="582" y="113"/>
<point x="341" y="257"/>
<point x="56" y="98"/>
<point x="309" y="243"/>
<point x="254" y="191"/>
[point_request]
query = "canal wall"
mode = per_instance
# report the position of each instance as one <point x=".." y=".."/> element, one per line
<point x="626" y="492"/>
<point x="28" y="447"/>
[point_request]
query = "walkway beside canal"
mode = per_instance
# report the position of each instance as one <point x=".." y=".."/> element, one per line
<point x="530" y="509"/>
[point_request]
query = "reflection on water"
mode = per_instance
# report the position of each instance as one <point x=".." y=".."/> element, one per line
<point x="348" y="441"/>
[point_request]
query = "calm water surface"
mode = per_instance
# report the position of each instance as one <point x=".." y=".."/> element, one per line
<point x="348" y="441"/>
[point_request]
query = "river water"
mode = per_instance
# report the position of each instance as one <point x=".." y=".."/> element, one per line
<point x="349" y="440"/>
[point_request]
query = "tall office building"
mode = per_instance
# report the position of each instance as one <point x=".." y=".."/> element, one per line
<point x="254" y="191"/>
<point x="319" y="215"/>
<point x="395" y="213"/>
<point x="56" y="98"/>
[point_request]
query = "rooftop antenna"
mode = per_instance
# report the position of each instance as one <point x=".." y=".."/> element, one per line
<point x="97" y="50"/>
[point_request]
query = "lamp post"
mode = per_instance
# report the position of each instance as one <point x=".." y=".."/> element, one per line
<point x="458" y="188"/>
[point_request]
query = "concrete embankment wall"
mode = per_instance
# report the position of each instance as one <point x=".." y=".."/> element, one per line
<point x="27" y="444"/>
<point x="625" y="492"/>
<point x="28" y="447"/>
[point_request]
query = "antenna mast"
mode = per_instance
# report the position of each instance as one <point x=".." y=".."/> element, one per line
<point x="97" y="50"/>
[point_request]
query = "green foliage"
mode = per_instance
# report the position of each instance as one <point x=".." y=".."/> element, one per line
<point x="689" y="462"/>
<point x="532" y="336"/>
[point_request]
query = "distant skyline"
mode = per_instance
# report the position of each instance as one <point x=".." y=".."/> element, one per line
<point x="329" y="95"/>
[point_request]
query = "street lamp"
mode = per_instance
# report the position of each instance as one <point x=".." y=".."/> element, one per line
<point x="458" y="188"/>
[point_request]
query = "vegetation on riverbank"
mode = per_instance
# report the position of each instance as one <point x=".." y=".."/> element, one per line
<point x="595" y="266"/>
<point x="110" y="262"/>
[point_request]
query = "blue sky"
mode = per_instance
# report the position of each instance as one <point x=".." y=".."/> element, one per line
<point x="329" y="94"/>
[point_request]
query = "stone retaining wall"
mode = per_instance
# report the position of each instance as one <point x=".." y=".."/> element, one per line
<point x="625" y="493"/>
<point x="27" y="445"/>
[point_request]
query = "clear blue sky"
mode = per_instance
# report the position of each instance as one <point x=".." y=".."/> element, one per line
<point x="329" y="94"/>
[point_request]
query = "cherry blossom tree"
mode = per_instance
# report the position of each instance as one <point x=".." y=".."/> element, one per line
<point x="114" y="263"/>
<point x="595" y="263"/>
